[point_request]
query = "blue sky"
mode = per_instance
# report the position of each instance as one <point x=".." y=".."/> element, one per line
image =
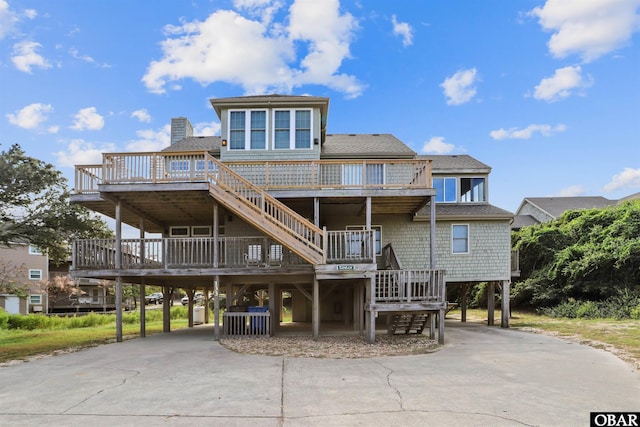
<point x="545" y="92"/>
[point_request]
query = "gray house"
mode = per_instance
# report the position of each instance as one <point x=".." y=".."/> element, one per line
<point x="360" y="231"/>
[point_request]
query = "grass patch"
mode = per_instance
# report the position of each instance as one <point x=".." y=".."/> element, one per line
<point x="621" y="337"/>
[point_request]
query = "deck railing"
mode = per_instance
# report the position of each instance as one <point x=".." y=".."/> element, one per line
<point x="355" y="246"/>
<point x="240" y="324"/>
<point x="410" y="286"/>
<point x="268" y="175"/>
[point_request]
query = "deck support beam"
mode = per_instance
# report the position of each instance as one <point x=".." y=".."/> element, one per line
<point x="118" y="268"/>
<point x="491" y="303"/>
<point x="143" y="305"/>
<point x="216" y="308"/>
<point x="315" y="311"/>
<point x="166" y="309"/>
<point x="370" y="313"/>
<point x="273" y="305"/>
<point x="506" y="309"/>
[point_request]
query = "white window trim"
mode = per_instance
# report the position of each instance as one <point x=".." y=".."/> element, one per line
<point x="201" y="231"/>
<point x="459" y="188"/>
<point x="247" y="130"/>
<point x="457" y="191"/>
<point x="292" y="129"/>
<point x="37" y="271"/>
<point x="172" y="231"/>
<point x="35" y="299"/>
<point x="453" y="252"/>
<point x="33" y="250"/>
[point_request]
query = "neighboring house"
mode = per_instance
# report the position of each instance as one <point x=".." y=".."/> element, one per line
<point x="536" y="210"/>
<point x="354" y="227"/>
<point x="24" y="266"/>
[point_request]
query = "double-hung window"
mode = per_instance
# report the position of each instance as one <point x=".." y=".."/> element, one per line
<point x="35" y="274"/>
<point x="472" y="190"/>
<point x="248" y="130"/>
<point x="460" y="238"/>
<point x="292" y="129"/>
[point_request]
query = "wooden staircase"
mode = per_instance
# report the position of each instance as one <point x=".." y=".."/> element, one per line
<point x="413" y="323"/>
<point x="265" y="212"/>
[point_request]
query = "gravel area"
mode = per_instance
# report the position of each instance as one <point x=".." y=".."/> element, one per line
<point x="333" y="347"/>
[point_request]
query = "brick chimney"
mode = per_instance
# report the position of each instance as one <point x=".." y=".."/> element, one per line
<point x="180" y="129"/>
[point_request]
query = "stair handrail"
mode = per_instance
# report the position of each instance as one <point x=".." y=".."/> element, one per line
<point x="268" y="206"/>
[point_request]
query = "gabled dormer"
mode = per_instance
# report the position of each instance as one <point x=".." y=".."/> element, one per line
<point x="271" y="127"/>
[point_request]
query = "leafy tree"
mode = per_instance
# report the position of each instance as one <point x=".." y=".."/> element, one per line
<point x="585" y="255"/>
<point x="35" y="208"/>
<point x="13" y="279"/>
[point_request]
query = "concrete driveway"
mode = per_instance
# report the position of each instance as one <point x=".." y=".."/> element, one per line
<point x="482" y="376"/>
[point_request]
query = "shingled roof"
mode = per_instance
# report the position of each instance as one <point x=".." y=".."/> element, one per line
<point x="376" y="145"/>
<point x="197" y="143"/>
<point x="556" y="206"/>
<point x="456" y="163"/>
<point x="466" y="211"/>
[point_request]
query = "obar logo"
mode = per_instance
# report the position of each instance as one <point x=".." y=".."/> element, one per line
<point x="610" y="419"/>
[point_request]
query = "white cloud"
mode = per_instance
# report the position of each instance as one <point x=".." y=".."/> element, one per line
<point x="265" y="9"/>
<point x="30" y="116"/>
<point x="459" y="88"/>
<point x="25" y="56"/>
<point x="88" y="119"/>
<point x="436" y="145"/>
<point x="628" y="178"/>
<point x="80" y="152"/>
<point x="151" y="140"/>
<point x="206" y="129"/>
<point x="588" y="28"/>
<point x="8" y="19"/>
<point x="403" y="30"/>
<point x="526" y="133"/>
<point x="572" y="191"/>
<point x="561" y="84"/>
<point x="142" y="115"/>
<point x="260" y="56"/>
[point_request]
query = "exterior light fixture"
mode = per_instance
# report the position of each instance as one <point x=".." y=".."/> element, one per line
<point x="224" y="142"/>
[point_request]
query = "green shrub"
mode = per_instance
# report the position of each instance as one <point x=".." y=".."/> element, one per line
<point x="588" y="310"/>
<point x="635" y="313"/>
<point x="4" y="319"/>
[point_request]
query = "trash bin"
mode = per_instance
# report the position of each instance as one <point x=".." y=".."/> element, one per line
<point x="257" y="324"/>
<point x="198" y="315"/>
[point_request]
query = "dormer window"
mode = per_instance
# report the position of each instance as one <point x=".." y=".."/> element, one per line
<point x="291" y="129"/>
<point x="470" y="189"/>
<point x="248" y="130"/>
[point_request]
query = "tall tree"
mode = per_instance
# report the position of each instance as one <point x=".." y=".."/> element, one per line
<point x="35" y="208"/>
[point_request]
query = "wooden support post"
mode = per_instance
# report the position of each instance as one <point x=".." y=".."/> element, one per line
<point x="166" y="309"/>
<point x="441" y="315"/>
<point x="273" y="308"/>
<point x="143" y="311"/>
<point x="190" y="293"/>
<point x="370" y="314"/>
<point x="118" y="268"/>
<point x="432" y="326"/>
<point x="506" y="310"/>
<point x="491" y="303"/>
<point x="216" y="308"/>
<point x="464" y="289"/>
<point x="315" y="311"/>
<point x="143" y="306"/>
<point x="432" y="233"/>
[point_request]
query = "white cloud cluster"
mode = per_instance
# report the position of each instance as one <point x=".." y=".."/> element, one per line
<point x="31" y="116"/>
<point x="436" y="145"/>
<point x="87" y="119"/>
<point x="589" y="28"/>
<point x="403" y="30"/>
<point x="571" y="191"/>
<point x="628" y="178"/>
<point x="526" y="133"/>
<point x="561" y="84"/>
<point x="81" y="152"/>
<point x="151" y="140"/>
<point x="25" y="56"/>
<point x="142" y="115"/>
<point x="460" y="87"/>
<point x="8" y="19"/>
<point x="260" y="55"/>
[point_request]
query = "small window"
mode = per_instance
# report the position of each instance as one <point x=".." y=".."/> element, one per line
<point x="34" y="250"/>
<point x="179" y="166"/>
<point x="35" y="274"/>
<point x="201" y="231"/>
<point x="460" y="238"/>
<point x="292" y="129"/>
<point x="35" y="299"/>
<point x="472" y="190"/>
<point x="446" y="190"/>
<point x="200" y="165"/>
<point x="179" y="231"/>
